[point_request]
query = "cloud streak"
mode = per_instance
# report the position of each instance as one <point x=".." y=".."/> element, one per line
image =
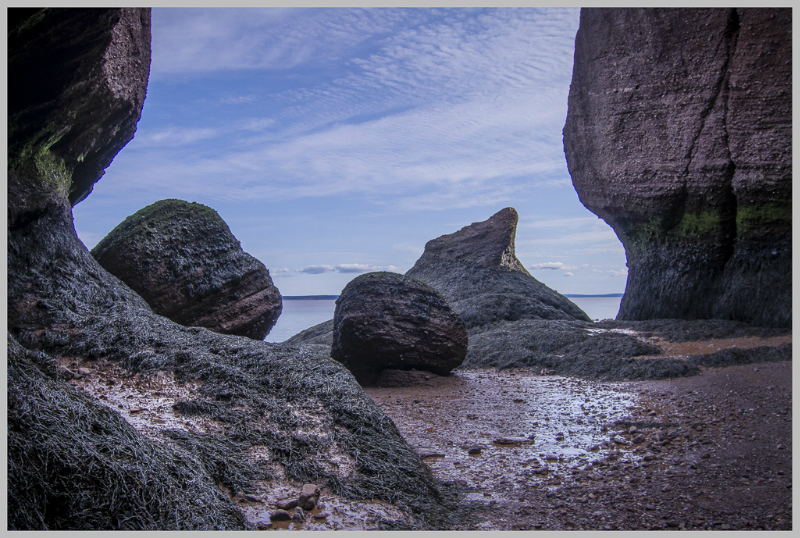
<point x="425" y="108"/>
<point x="341" y="268"/>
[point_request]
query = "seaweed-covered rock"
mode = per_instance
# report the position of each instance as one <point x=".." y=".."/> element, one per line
<point x="678" y="135"/>
<point x="184" y="261"/>
<point x="477" y="271"/>
<point x="246" y="396"/>
<point x="71" y="466"/>
<point x="390" y="321"/>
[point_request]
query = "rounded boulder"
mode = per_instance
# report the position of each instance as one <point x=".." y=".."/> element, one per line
<point x="184" y="261"/>
<point x="391" y="321"/>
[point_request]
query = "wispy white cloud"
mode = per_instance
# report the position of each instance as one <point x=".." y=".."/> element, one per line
<point x="315" y="269"/>
<point x="557" y="266"/>
<point x="345" y="268"/>
<point x="426" y="109"/>
<point x="569" y="273"/>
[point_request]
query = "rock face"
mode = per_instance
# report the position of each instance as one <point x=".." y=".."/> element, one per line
<point x="184" y="261"/>
<point x="678" y="135"/>
<point x="390" y="321"/>
<point x="75" y="460"/>
<point x="477" y="271"/>
<point x="73" y="102"/>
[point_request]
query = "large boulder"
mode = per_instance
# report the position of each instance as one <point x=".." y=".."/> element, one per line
<point x="678" y="135"/>
<point x="390" y="321"/>
<point x="184" y="261"/>
<point x="477" y="271"/>
<point x="79" y="459"/>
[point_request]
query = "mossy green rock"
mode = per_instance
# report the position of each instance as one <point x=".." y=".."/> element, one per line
<point x="184" y="261"/>
<point x="679" y="135"/>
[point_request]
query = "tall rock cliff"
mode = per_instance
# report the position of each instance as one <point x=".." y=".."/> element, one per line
<point x="678" y="135"/>
<point x="79" y="456"/>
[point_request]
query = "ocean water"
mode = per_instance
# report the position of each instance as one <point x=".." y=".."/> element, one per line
<point x="300" y="314"/>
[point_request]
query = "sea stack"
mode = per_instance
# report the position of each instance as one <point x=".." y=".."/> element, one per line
<point x="678" y="135"/>
<point x="184" y="261"/>
<point x="476" y="269"/>
<point x="391" y="321"/>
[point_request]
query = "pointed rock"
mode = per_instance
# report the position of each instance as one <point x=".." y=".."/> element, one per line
<point x="477" y="271"/>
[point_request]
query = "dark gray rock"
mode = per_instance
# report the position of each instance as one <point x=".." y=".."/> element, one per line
<point x="678" y="135"/>
<point x="405" y="378"/>
<point x="388" y="320"/>
<point x="477" y="271"/>
<point x="321" y="334"/>
<point x="184" y="261"/>
<point x="72" y="103"/>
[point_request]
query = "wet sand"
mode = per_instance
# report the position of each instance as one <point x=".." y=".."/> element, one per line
<point x="705" y="452"/>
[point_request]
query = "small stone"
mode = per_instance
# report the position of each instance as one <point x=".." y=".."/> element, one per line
<point x="298" y="515"/>
<point x="474" y="450"/>
<point x="321" y="515"/>
<point x="308" y="497"/>
<point x="280" y="515"/>
<point x="84" y="371"/>
<point x="286" y="504"/>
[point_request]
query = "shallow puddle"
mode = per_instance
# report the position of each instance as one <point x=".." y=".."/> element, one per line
<point x="495" y="431"/>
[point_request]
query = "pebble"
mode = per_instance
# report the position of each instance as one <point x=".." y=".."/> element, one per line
<point x="280" y="515"/>
<point x="298" y="515"/>
<point x="286" y="504"/>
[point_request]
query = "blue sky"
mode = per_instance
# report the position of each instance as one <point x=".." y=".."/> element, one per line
<point x="338" y="141"/>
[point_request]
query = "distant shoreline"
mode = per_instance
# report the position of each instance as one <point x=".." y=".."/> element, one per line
<point x="334" y="297"/>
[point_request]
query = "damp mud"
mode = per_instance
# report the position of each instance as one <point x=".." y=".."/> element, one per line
<point x="545" y="452"/>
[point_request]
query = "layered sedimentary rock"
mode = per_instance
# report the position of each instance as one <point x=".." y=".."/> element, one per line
<point x="184" y="261"/>
<point x="76" y="82"/>
<point x="390" y="321"/>
<point x="477" y="271"/>
<point x="678" y="135"/>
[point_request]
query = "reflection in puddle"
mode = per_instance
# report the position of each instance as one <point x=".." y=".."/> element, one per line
<point x="495" y="431"/>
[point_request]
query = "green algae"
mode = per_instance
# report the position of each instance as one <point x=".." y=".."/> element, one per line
<point x="767" y="215"/>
